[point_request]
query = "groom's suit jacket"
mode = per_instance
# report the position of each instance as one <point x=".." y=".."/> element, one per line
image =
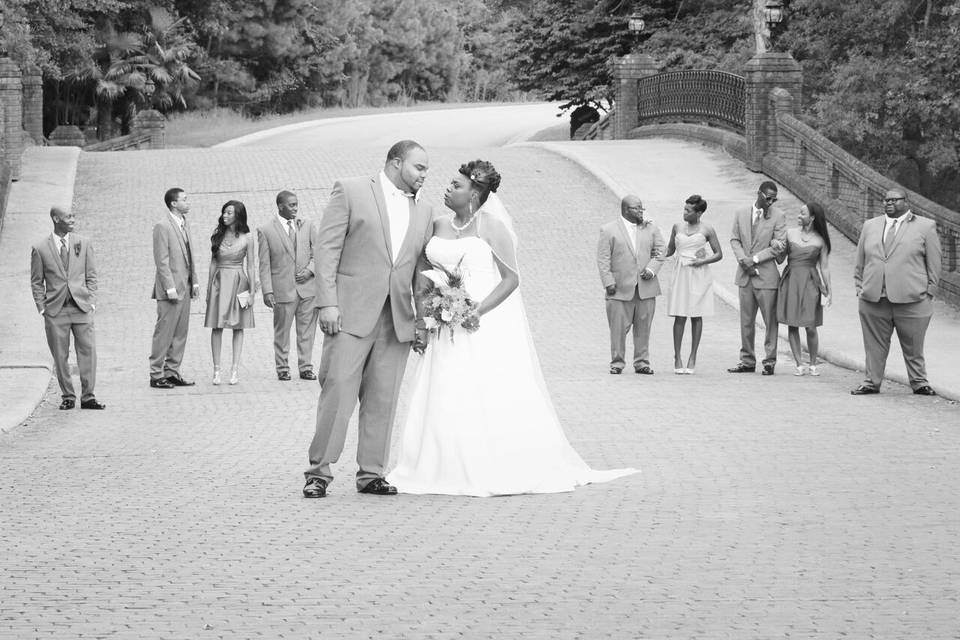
<point x="909" y="270"/>
<point x="355" y="268"/>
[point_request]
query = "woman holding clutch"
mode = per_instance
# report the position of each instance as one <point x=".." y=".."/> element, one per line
<point x="805" y="283"/>
<point x="231" y="285"/>
<point x="691" y="292"/>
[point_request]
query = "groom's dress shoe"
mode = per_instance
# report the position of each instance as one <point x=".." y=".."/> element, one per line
<point x="177" y="381"/>
<point x="645" y="370"/>
<point x="864" y="390"/>
<point x="67" y="404"/>
<point x="308" y="375"/>
<point x="742" y="368"/>
<point x="92" y="404"/>
<point x="315" y="488"/>
<point x="379" y="487"/>
<point x="925" y="390"/>
<point x="161" y="383"/>
<point x="768" y="369"/>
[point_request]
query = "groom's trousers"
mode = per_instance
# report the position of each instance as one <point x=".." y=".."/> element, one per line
<point x="369" y="368"/>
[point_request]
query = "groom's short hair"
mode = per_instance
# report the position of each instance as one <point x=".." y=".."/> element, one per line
<point x="401" y="149"/>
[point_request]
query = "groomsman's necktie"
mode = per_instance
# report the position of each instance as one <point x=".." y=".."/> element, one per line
<point x="292" y="233"/>
<point x="63" y="252"/>
<point x="888" y="237"/>
<point x="756" y="223"/>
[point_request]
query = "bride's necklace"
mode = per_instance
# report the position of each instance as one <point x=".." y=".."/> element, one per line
<point x="460" y="229"/>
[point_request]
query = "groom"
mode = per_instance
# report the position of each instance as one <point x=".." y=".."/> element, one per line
<point x="371" y="240"/>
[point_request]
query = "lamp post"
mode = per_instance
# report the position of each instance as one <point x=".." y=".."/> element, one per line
<point x="773" y="15"/>
<point x="635" y="25"/>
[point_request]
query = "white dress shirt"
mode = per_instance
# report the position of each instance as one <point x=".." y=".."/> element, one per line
<point x="398" y="212"/>
<point x="631" y="233"/>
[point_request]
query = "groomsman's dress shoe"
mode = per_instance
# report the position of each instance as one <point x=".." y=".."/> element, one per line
<point x="645" y="370"/>
<point x="742" y="368"/>
<point x="379" y="487"/>
<point x="864" y="390"/>
<point x="925" y="390"/>
<point x="177" y="381"/>
<point x="768" y="369"/>
<point x="67" y="403"/>
<point x="92" y="404"/>
<point x="283" y="375"/>
<point x="616" y="371"/>
<point x="161" y="383"/>
<point x="315" y="488"/>
<point x="308" y="375"/>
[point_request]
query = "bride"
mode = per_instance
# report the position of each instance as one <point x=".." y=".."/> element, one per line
<point x="480" y="420"/>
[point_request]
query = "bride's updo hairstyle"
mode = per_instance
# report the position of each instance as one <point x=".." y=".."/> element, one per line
<point x="483" y="175"/>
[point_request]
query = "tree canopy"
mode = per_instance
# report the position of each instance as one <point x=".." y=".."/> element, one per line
<point x="881" y="77"/>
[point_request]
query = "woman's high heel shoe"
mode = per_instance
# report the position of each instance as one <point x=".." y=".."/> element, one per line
<point x="234" y="376"/>
<point x="216" y="375"/>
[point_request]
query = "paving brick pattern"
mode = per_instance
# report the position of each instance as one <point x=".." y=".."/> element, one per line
<point x="767" y="507"/>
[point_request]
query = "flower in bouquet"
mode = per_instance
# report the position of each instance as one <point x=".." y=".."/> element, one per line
<point x="446" y="303"/>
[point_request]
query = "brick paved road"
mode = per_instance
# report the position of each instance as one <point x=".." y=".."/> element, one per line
<point x="767" y="507"/>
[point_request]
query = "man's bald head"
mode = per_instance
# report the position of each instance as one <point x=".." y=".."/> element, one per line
<point x="631" y="208"/>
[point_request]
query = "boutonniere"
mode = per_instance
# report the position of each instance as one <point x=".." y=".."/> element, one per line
<point x="299" y="223"/>
<point x="76" y="248"/>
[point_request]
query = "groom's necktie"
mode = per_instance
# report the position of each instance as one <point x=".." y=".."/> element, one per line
<point x="293" y="235"/>
<point x="64" y="254"/>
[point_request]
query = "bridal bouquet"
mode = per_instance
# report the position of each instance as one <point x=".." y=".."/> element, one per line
<point x="446" y="304"/>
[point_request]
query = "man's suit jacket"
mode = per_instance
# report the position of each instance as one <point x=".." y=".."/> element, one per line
<point x="51" y="282"/>
<point x="279" y="263"/>
<point x="355" y="269"/>
<point x="910" y="270"/>
<point x="772" y="226"/>
<point x="174" y="260"/>
<point x="619" y="265"/>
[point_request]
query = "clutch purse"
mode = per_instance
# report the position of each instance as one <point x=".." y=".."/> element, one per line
<point x="244" y="299"/>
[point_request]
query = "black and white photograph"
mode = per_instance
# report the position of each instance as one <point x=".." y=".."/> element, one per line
<point x="480" y="319"/>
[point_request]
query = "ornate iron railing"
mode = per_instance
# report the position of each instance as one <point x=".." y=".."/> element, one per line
<point x="714" y="97"/>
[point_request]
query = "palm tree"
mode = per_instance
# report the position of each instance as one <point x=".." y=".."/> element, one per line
<point x="129" y="71"/>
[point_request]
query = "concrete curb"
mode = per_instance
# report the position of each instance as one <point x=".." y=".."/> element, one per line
<point x="726" y="293"/>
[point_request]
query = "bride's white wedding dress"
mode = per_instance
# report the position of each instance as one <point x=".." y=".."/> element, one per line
<point x="480" y="419"/>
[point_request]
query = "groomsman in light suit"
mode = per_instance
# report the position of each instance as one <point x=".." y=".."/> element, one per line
<point x="629" y="255"/>
<point x="759" y="236"/>
<point x="63" y="277"/>
<point x="174" y="285"/>
<point x="898" y="267"/>
<point x="286" y="246"/>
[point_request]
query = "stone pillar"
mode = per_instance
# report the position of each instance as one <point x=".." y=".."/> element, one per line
<point x="33" y="103"/>
<point x="151" y="122"/>
<point x="763" y="73"/>
<point x="11" y="127"/>
<point x="627" y="71"/>
<point x="67" y="135"/>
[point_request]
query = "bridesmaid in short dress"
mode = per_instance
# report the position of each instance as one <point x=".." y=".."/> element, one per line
<point x="691" y="292"/>
<point x="805" y="278"/>
<point x="230" y="274"/>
